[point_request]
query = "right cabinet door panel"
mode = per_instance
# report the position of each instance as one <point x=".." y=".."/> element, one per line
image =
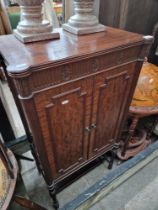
<point x="111" y="90"/>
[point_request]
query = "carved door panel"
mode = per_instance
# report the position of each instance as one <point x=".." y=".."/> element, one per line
<point x="64" y="113"/>
<point x="109" y="101"/>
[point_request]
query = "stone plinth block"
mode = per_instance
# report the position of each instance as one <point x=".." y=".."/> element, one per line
<point x="25" y="38"/>
<point x="32" y="27"/>
<point x="83" y="22"/>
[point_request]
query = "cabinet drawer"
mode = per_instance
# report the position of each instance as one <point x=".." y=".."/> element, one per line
<point x="54" y="75"/>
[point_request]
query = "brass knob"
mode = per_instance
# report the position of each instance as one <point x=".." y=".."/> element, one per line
<point x="94" y="126"/>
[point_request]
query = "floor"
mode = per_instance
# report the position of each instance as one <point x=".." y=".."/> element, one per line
<point x="137" y="193"/>
<point x="36" y="189"/>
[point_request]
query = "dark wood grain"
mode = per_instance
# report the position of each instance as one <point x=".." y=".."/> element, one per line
<point x="109" y="13"/>
<point x="76" y="94"/>
<point x="142" y="16"/>
<point x="68" y="47"/>
<point x="111" y="90"/>
<point x="27" y="203"/>
<point x="135" y="16"/>
<point x="56" y="108"/>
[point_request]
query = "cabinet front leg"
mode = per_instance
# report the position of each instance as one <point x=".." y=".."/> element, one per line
<point x="113" y="155"/>
<point x="52" y="192"/>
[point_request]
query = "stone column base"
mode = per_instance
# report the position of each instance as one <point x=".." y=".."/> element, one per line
<point x="26" y="38"/>
<point x="84" y="30"/>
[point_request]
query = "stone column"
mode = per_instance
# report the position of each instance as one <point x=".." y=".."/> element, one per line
<point x="83" y="22"/>
<point x="32" y="27"/>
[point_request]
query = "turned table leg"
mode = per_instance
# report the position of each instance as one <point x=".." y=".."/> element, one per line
<point x="151" y="128"/>
<point x="52" y="192"/>
<point x="113" y="155"/>
<point x="131" y="131"/>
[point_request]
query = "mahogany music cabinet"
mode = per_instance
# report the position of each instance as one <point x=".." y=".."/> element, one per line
<point x="75" y="93"/>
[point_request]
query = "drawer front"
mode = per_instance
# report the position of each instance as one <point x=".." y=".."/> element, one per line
<point x="52" y="76"/>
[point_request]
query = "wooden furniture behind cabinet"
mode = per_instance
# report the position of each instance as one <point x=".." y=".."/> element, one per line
<point x="76" y="93"/>
<point x="144" y="104"/>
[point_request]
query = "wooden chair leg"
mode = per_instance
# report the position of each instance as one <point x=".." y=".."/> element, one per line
<point x="131" y="131"/>
<point x="113" y="155"/>
<point x="52" y="192"/>
<point x="27" y="203"/>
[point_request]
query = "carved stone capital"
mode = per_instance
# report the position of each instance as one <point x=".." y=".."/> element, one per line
<point x="83" y="22"/>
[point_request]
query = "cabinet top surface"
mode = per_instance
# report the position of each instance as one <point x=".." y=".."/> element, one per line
<point x="21" y="57"/>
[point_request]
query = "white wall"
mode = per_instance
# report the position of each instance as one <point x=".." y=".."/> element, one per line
<point x="69" y="10"/>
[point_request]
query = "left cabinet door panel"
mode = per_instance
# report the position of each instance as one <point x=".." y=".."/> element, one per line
<point x="64" y="113"/>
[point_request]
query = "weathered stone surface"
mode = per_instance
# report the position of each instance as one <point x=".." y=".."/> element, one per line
<point x="83" y="22"/>
<point x="32" y="27"/>
<point x="36" y="37"/>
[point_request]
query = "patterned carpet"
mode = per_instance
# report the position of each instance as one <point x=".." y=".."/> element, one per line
<point x="4" y="184"/>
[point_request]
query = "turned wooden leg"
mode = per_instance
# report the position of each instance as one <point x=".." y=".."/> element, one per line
<point x="5" y="159"/>
<point x="131" y="131"/>
<point x="33" y="151"/>
<point x="113" y="155"/>
<point x="155" y="122"/>
<point x="52" y="192"/>
<point x="152" y="127"/>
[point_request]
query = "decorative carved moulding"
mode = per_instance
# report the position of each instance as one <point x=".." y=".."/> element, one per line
<point x="83" y="22"/>
<point x="32" y="26"/>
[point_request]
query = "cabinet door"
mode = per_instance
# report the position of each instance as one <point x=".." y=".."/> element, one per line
<point x="111" y="90"/>
<point x="64" y="113"/>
